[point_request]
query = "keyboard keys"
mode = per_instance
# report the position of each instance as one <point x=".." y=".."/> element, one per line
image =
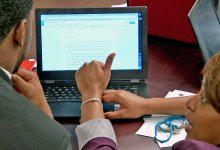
<point x="66" y="94"/>
<point x="130" y="88"/>
<point x="51" y="100"/>
<point x="62" y="94"/>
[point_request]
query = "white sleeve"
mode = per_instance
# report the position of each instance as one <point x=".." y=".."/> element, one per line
<point x="94" y="129"/>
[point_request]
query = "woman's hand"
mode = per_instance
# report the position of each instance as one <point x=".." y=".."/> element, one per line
<point x="131" y="105"/>
<point x="92" y="79"/>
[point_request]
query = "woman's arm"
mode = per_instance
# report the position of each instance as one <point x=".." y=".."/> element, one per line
<point x="133" y="106"/>
<point x="95" y="132"/>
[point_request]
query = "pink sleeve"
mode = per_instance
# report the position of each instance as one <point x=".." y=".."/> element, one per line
<point x="100" y="143"/>
<point x="190" y="144"/>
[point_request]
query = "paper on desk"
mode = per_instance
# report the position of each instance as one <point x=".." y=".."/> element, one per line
<point x="121" y="5"/>
<point x="148" y="128"/>
<point x="178" y="93"/>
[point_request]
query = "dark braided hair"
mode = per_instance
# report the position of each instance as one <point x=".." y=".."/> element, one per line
<point x="11" y="12"/>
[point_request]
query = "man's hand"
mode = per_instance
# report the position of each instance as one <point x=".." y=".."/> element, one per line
<point x="131" y="105"/>
<point x="28" y="84"/>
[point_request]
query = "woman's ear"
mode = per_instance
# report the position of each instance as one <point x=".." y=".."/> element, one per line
<point x="20" y="32"/>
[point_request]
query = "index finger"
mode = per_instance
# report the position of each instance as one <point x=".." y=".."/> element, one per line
<point x="108" y="62"/>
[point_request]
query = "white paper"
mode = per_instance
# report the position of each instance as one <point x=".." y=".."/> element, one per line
<point x="178" y="93"/>
<point x="182" y="93"/>
<point x="121" y="5"/>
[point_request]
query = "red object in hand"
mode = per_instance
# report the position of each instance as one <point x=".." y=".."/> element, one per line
<point x="29" y="64"/>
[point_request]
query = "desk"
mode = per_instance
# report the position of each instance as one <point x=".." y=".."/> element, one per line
<point x="171" y="65"/>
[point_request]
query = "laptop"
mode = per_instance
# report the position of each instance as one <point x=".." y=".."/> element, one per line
<point x="66" y="38"/>
<point x="205" y="23"/>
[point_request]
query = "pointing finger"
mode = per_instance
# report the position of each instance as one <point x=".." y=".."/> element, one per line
<point x="108" y="62"/>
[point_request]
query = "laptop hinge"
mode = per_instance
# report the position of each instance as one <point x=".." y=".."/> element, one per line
<point x="138" y="80"/>
<point x="135" y="80"/>
<point x="49" y="81"/>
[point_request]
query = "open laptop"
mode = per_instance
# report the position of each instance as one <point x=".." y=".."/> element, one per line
<point x="205" y="23"/>
<point x="66" y="38"/>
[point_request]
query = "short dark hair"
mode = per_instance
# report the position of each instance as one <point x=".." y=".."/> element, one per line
<point x="11" y="12"/>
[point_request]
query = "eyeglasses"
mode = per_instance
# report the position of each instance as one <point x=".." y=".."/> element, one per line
<point x="167" y="126"/>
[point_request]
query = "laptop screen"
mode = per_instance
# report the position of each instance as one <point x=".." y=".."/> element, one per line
<point x="73" y="39"/>
<point x="217" y="7"/>
<point x="206" y="27"/>
<point x="67" y="38"/>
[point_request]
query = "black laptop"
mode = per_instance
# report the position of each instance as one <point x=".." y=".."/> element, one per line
<point x="205" y="22"/>
<point x="66" y="38"/>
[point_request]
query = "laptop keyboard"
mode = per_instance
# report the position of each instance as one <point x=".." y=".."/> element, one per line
<point x="71" y="93"/>
<point x="129" y="88"/>
<point x="62" y="94"/>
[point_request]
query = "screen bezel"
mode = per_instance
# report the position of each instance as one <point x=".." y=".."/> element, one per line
<point x="116" y="74"/>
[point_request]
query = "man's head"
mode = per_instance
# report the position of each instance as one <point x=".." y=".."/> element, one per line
<point x="204" y="109"/>
<point x="14" y="32"/>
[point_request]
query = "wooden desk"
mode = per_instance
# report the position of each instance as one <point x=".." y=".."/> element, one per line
<point x="171" y="65"/>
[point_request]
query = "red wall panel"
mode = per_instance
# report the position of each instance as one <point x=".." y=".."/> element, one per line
<point x="168" y="18"/>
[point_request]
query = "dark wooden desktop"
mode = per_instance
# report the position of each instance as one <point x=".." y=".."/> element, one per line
<point x="171" y="65"/>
